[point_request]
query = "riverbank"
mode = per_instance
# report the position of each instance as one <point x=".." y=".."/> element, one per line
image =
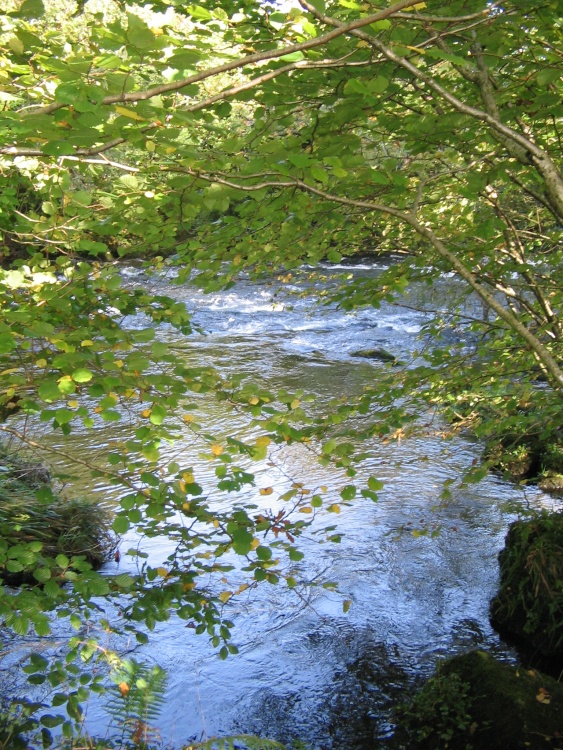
<point x="37" y="524"/>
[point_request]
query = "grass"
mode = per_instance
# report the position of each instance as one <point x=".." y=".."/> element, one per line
<point x="30" y="511"/>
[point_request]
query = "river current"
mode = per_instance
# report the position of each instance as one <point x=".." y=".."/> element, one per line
<point x="306" y="669"/>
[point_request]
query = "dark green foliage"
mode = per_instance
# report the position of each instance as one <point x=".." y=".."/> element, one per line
<point x="17" y="722"/>
<point x="529" y="604"/>
<point x="477" y="703"/>
<point x="519" y="423"/>
<point x="438" y="712"/>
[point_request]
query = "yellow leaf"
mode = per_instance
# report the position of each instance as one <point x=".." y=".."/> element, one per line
<point x="255" y="543"/>
<point x="162" y="572"/>
<point x="87" y="342"/>
<point x="323" y="488"/>
<point x="224" y="596"/>
<point x="124" y="688"/>
<point x="334" y="508"/>
<point x="146" y="413"/>
<point x="362" y="44"/>
<point x="263" y="441"/>
<point x="237" y="260"/>
<point x="346" y="605"/>
<point x="306" y="509"/>
<point x="188" y="477"/>
<point x="41" y="363"/>
<point x="266" y="490"/>
<point x="119" y="363"/>
<point x="130" y="113"/>
<point x="215" y="523"/>
<point x="416" y="6"/>
<point x="72" y="404"/>
<point x="188" y="418"/>
<point x="253" y="401"/>
<point x="150" y="146"/>
<point x="417" y="49"/>
<point x="186" y="506"/>
<point x="295" y="403"/>
<point x="216" y="450"/>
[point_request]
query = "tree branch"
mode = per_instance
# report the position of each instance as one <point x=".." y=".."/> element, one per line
<point x="537" y="346"/>
<point x="166" y="88"/>
<point x="517" y="144"/>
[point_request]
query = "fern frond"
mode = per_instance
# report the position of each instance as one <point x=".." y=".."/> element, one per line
<point x="138" y="697"/>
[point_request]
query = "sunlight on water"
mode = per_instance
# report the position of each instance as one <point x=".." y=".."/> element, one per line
<point x="305" y="668"/>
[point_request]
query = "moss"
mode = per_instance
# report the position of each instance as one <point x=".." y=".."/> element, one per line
<point x="477" y="703"/>
<point x="31" y="512"/>
<point x="552" y="483"/>
<point x="529" y="604"/>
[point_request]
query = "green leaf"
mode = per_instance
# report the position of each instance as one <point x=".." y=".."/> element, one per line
<point x="124" y="581"/>
<point x="348" y="493"/>
<point x="51" y="721"/>
<point x="375" y="484"/>
<point x="319" y="174"/>
<point x="242" y="541"/>
<point x="31" y="9"/>
<point x="293" y="57"/>
<point x="120" y="524"/>
<point x="158" y="414"/>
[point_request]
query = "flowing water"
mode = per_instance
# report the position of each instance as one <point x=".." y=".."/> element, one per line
<point x="306" y="669"/>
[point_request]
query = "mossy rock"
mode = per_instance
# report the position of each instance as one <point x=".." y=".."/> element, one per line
<point x="552" y="483"/>
<point x="529" y="603"/>
<point x="475" y="702"/>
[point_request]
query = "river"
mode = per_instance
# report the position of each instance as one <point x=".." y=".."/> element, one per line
<point x="306" y="670"/>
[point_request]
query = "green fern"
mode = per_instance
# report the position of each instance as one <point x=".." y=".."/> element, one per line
<point x="137" y="700"/>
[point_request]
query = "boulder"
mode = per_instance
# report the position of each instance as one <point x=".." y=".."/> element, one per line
<point x="475" y="702"/>
<point x="529" y="605"/>
<point x="379" y="354"/>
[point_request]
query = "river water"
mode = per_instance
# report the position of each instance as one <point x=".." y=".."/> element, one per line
<point x="306" y="670"/>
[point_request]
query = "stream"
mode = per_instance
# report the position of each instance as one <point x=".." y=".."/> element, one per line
<point x="305" y="669"/>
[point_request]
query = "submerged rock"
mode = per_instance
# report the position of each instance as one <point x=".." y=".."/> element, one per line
<point x="475" y="702"/>
<point x="529" y="603"/>
<point x="379" y="353"/>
